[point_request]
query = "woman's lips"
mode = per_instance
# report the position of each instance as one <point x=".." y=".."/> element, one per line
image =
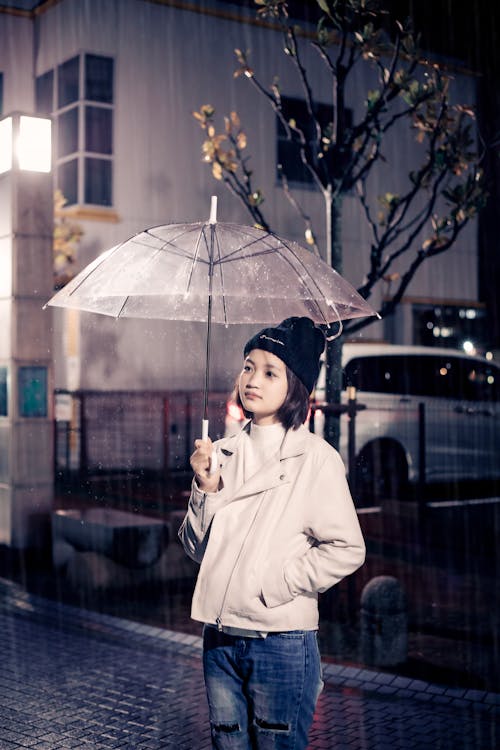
<point x="251" y="396"/>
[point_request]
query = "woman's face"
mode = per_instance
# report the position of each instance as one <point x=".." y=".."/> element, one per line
<point x="263" y="386"/>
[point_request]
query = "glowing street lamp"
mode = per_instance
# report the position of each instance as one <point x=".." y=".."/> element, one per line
<point x="25" y="143"/>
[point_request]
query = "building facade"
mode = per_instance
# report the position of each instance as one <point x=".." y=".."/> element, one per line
<point x="121" y="79"/>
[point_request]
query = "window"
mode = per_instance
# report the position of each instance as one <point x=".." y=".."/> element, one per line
<point x="381" y="374"/>
<point x="44" y="93"/>
<point x="435" y="376"/>
<point x="67" y="133"/>
<point x="450" y="325"/>
<point x="99" y="79"/>
<point x="288" y="150"/>
<point x="79" y="94"/>
<point x="68" y="83"/>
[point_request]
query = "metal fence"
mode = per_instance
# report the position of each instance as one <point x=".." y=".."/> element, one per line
<point x="106" y="432"/>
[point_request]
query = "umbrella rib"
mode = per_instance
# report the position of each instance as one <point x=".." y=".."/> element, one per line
<point x="123" y="306"/>
<point x="235" y="254"/>
<point x="155" y="252"/>
<point x="234" y="258"/>
<point x="222" y="259"/>
<point x="168" y="243"/>
<point x="223" y="292"/>
<point x="165" y="243"/>
<point x="330" y="303"/>
<point x="84" y="278"/>
<point x="194" y="258"/>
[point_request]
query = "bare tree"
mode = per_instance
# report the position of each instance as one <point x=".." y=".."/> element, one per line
<point x="442" y="194"/>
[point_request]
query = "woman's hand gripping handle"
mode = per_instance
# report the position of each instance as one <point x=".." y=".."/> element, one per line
<point x="204" y="463"/>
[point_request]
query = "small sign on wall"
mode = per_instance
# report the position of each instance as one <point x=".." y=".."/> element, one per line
<point x="63" y="407"/>
<point x="32" y="390"/>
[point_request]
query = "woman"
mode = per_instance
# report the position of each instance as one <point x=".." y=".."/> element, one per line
<point x="272" y="526"/>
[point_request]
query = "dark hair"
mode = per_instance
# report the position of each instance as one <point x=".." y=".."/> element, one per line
<point x="293" y="412"/>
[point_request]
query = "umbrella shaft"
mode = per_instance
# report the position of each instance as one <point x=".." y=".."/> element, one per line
<point x="209" y="320"/>
<point x="207" y="358"/>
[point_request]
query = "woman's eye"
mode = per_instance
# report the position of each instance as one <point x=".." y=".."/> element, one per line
<point x="270" y="374"/>
<point x="247" y="368"/>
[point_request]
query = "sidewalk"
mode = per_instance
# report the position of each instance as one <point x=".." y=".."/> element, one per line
<point x="71" y="678"/>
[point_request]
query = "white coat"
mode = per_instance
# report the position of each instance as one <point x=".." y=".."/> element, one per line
<point x="267" y="546"/>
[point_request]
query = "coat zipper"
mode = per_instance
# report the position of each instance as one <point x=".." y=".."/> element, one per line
<point x="202" y="506"/>
<point x="218" y="619"/>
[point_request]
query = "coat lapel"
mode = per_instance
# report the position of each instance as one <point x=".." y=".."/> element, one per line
<point x="272" y="474"/>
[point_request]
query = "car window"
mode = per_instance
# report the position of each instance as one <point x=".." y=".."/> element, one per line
<point x="483" y="382"/>
<point x="440" y="376"/>
<point x="380" y="374"/>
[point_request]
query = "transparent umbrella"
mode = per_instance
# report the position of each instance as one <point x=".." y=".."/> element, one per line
<point x="215" y="273"/>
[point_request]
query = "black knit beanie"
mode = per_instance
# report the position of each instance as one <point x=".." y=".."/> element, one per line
<point x="297" y="342"/>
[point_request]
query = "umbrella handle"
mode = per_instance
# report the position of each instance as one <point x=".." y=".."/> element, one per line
<point x="204" y="436"/>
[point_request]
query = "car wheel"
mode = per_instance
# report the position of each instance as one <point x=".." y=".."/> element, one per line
<point x="381" y="473"/>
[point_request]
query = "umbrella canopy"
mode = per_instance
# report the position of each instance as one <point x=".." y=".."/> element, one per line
<point x="172" y="271"/>
<point x="213" y="272"/>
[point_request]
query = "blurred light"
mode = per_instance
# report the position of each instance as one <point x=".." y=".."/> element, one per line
<point x="234" y="411"/>
<point x="443" y="371"/>
<point x="25" y="143"/>
<point x="444" y="332"/>
<point x="489" y="356"/>
<point x="470" y="314"/>
<point x="469" y="347"/>
<point x="490" y="379"/>
<point x="35" y="144"/>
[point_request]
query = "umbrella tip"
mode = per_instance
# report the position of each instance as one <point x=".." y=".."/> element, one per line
<point x="213" y="210"/>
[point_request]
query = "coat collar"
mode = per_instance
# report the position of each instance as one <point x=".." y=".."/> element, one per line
<point x="274" y="472"/>
<point x="294" y="443"/>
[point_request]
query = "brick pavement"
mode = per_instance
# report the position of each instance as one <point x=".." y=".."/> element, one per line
<point x="71" y="678"/>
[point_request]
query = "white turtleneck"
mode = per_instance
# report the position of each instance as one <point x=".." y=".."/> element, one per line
<point x="263" y="443"/>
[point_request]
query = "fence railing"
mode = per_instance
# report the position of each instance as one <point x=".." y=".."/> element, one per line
<point x="114" y="431"/>
<point x="108" y="432"/>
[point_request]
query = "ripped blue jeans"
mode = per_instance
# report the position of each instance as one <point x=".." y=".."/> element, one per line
<point x="261" y="692"/>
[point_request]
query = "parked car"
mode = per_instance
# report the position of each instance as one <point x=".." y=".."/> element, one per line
<point x="460" y="395"/>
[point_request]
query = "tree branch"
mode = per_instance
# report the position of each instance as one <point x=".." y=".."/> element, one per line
<point x="309" y="233"/>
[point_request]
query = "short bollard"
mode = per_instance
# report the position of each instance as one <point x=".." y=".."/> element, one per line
<point x="384" y="622"/>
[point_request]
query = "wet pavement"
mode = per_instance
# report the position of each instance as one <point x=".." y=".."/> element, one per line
<point x="72" y="678"/>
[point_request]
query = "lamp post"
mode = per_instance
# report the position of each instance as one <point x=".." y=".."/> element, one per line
<point x="26" y="235"/>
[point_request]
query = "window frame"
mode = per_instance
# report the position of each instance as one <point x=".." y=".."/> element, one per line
<point x="81" y="155"/>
